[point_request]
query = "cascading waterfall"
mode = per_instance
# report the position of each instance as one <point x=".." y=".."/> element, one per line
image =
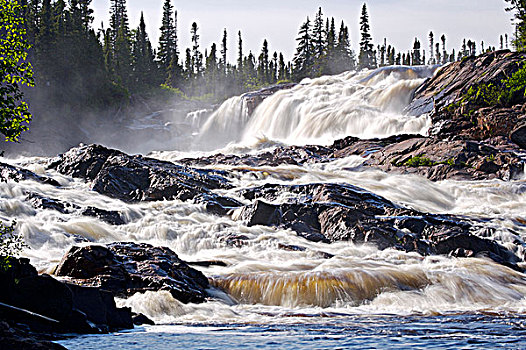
<point x="363" y="104"/>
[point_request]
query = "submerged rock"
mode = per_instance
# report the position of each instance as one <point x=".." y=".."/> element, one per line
<point x="12" y="173"/>
<point x="129" y="268"/>
<point x="342" y="212"/>
<point x="41" y="202"/>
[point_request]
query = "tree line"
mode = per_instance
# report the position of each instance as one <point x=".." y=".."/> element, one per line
<point x="75" y="63"/>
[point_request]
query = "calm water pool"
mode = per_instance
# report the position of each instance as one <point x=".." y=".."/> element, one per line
<point x="357" y="332"/>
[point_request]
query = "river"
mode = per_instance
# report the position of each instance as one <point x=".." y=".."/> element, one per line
<point x="324" y="296"/>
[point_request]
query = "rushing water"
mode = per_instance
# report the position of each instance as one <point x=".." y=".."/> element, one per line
<point x="268" y="297"/>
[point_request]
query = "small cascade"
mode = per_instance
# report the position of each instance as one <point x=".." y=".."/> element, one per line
<point x="321" y="289"/>
<point x="197" y="118"/>
<point x="224" y="125"/>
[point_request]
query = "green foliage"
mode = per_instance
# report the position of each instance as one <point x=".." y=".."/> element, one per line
<point x="423" y="161"/>
<point x="15" y="71"/>
<point x="418" y="161"/>
<point x="510" y="91"/>
<point x="11" y="244"/>
<point x="173" y="92"/>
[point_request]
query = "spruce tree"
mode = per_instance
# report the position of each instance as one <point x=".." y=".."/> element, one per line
<point x="144" y="69"/>
<point x="431" y="48"/>
<point x="224" y="51"/>
<point x="239" y="53"/>
<point x="366" y="58"/>
<point x="319" y="35"/>
<point x="417" y="55"/>
<point x="303" y="59"/>
<point x="263" y="64"/>
<point x="197" y="56"/>
<point x="167" y="38"/>
<point x="444" y="52"/>
<point x="282" y="68"/>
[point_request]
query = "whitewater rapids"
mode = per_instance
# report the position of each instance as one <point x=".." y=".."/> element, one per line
<point x="263" y="282"/>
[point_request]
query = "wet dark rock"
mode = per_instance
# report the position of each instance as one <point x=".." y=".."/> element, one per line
<point x="41" y="202"/>
<point x="518" y="136"/>
<point x="261" y="213"/>
<point x="292" y="155"/>
<point x="13" y="173"/>
<point x="14" y="337"/>
<point x="454" y="80"/>
<point x="110" y="217"/>
<point x="235" y="240"/>
<point x="342" y="212"/>
<point x="140" y="319"/>
<point x="459" y="159"/>
<point x="74" y="308"/>
<point x="137" y="178"/>
<point x="207" y="263"/>
<point x="129" y="268"/>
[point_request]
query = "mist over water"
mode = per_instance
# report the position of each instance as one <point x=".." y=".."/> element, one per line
<point x="264" y="284"/>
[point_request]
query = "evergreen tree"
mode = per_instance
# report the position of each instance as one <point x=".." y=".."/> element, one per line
<point x="303" y="59"/>
<point x="224" y="51"/>
<point x="519" y="7"/>
<point x="144" y="69"/>
<point x="239" y="53"/>
<point x="416" y="55"/>
<point x="118" y="18"/>
<point x="197" y="56"/>
<point x="319" y="35"/>
<point x="167" y="40"/>
<point x="263" y="64"/>
<point x="282" y="68"/>
<point x="212" y="69"/>
<point x="344" y="56"/>
<point x="431" y="48"/>
<point x="444" y="52"/>
<point x="367" y="57"/>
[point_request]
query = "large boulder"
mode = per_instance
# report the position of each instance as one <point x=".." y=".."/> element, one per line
<point x="129" y="268"/>
<point x="63" y="307"/>
<point x="137" y="178"/>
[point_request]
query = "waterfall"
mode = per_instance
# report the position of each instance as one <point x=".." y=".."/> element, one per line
<point x="364" y="104"/>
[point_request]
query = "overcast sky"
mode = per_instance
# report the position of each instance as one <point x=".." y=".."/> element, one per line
<point x="400" y="21"/>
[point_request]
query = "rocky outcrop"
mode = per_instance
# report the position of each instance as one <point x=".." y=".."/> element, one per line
<point x="443" y="96"/>
<point x="440" y="160"/>
<point x="60" y="307"/>
<point x="129" y="268"/>
<point x="137" y="178"/>
<point x="342" y="212"/>
<point x="433" y="158"/>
